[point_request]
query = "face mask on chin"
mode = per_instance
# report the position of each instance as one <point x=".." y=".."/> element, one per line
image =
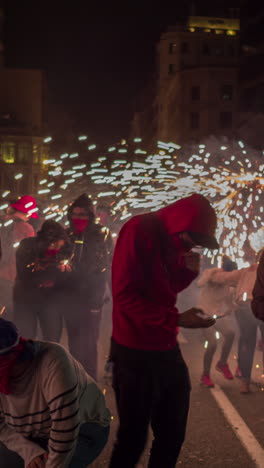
<point x="79" y="225"/>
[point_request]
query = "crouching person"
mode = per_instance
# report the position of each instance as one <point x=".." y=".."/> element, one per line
<point x="52" y="414"/>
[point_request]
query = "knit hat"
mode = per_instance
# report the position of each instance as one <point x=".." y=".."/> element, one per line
<point x="27" y="205"/>
<point x="9" y="336"/>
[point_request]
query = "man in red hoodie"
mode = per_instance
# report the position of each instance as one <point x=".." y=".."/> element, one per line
<point x="152" y="262"/>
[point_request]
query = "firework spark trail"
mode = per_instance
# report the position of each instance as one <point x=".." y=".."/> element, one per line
<point x="133" y="181"/>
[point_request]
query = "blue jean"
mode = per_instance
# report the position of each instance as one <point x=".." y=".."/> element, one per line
<point x="91" y="441"/>
<point x="248" y="325"/>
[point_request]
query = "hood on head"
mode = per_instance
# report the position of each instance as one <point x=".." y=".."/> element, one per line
<point x="194" y="215"/>
<point x="83" y="201"/>
<point x="51" y="231"/>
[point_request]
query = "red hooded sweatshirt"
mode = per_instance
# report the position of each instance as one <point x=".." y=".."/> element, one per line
<point x="149" y="270"/>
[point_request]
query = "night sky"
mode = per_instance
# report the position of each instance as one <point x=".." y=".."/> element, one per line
<point x="97" y="59"/>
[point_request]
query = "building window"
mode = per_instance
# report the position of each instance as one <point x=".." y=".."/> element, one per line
<point x="230" y="32"/>
<point x="195" y="93"/>
<point x="24" y="152"/>
<point x="226" y="120"/>
<point x="185" y="47"/>
<point x="195" y="120"/>
<point x="8" y="152"/>
<point x="206" y="49"/>
<point x="172" y="69"/>
<point x="226" y="92"/>
<point x="173" y="48"/>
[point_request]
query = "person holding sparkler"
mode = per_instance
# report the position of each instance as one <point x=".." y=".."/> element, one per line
<point x="216" y="300"/>
<point x="86" y="293"/>
<point x="43" y="276"/>
<point x="153" y="261"/>
<point x="243" y="281"/>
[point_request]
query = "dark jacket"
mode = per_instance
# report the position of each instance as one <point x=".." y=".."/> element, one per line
<point x="148" y="272"/>
<point x="258" y="292"/>
<point x="38" y="275"/>
<point x="90" y="263"/>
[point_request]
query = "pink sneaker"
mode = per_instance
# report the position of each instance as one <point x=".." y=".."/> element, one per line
<point x="224" y="369"/>
<point x="206" y="381"/>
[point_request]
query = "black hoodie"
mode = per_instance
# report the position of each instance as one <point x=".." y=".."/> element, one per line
<point x="90" y="259"/>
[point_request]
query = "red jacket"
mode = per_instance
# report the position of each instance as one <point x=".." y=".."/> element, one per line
<point x="149" y="270"/>
<point x="258" y="292"/>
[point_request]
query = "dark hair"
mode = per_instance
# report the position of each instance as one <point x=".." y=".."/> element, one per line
<point x="8" y="333"/>
<point x="228" y="264"/>
<point x="51" y="231"/>
<point x="30" y="351"/>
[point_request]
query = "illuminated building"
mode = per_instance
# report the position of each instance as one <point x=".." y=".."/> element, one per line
<point x="197" y="92"/>
<point x="252" y="75"/>
<point x="22" y="149"/>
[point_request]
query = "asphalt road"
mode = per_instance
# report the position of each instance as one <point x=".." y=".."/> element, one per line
<point x="211" y="441"/>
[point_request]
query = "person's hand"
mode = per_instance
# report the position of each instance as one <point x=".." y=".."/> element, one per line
<point x="64" y="267"/>
<point x="192" y="261"/>
<point x="193" y="318"/>
<point x="38" y="462"/>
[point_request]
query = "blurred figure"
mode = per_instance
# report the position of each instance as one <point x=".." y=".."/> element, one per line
<point x="258" y="291"/>
<point x="87" y="290"/>
<point x="216" y="300"/>
<point x="17" y="228"/>
<point x="257" y="304"/>
<point x="52" y="412"/>
<point x="152" y="262"/>
<point x="243" y="281"/>
<point x="43" y="275"/>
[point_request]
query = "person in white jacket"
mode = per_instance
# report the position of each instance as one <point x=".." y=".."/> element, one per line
<point x="243" y="281"/>
<point x="52" y="414"/>
<point x="216" y="300"/>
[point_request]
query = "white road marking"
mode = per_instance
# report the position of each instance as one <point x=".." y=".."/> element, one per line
<point x="252" y="446"/>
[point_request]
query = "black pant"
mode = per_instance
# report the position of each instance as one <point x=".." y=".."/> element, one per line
<point x="47" y="312"/>
<point x="248" y="325"/>
<point x="151" y="387"/>
<point x="83" y="328"/>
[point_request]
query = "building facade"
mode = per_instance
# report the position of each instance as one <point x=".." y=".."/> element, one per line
<point x="198" y="84"/>
<point x="22" y="149"/>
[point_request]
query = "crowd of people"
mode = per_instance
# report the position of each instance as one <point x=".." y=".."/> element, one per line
<point x="52" y="411"/>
